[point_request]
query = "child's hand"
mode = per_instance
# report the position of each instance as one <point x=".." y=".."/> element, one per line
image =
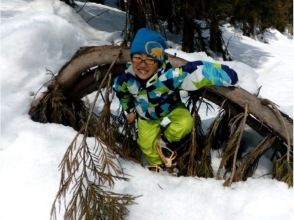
<point x="131" y="117"/>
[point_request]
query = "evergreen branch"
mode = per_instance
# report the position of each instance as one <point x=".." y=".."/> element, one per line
<point x="87" y="169"/>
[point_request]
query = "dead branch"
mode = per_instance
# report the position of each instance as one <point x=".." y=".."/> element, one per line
<point x="88" y="57"/>
<point x="85" y="71"/>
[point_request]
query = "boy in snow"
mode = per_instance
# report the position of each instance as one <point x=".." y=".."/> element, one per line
<point x="149" y="91"/>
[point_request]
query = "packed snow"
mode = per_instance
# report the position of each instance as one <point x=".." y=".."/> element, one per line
<point x="38" y="37"/>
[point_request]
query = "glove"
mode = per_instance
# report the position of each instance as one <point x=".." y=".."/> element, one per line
<point x="231" y="73"/>
<point x="191" y="66"/>
<point x="220" y="75"/>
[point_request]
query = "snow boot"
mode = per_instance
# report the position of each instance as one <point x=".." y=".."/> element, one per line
<point x="166" y="155"/>
<point x="173" y="171"/>
<point x="155" y="168"/>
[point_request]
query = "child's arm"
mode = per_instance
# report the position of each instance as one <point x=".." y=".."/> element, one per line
<point x="203" y="73"/>
<point x="121" y="89"/>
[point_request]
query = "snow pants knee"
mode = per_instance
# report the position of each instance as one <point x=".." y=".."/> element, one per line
<point x="149" y="130"/>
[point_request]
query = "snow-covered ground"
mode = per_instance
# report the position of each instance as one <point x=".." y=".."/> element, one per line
<point x="43" y="34"/>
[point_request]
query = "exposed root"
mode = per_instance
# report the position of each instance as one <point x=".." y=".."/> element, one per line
<point x="90" y="167"/>
<point x="238" y="134"/>
<point x="54" y="107"/>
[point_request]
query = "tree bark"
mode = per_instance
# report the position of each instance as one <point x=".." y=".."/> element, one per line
<point x="188" y="27"/>
<point x="138" y="19"/>
<point x="75" y="84"/>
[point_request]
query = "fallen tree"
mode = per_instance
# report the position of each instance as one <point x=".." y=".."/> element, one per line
<point x="94" y="68"/>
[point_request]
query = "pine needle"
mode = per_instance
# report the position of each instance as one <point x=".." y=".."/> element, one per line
<point x="89" y="167"/>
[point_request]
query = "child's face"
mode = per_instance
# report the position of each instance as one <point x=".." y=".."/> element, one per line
<point x="144" y="66"/>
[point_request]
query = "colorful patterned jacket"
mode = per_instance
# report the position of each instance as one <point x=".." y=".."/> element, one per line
<point x="158" y="96"/>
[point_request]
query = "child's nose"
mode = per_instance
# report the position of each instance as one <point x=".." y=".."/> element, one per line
<point x="143" y="63"/>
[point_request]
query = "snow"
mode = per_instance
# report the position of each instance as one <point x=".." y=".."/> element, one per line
<point x="272" y="62"/>
<point x="43" y="34"/>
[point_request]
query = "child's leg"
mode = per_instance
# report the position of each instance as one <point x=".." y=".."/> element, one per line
<point x="148" y="131"/>
<point x="180" y="126"/>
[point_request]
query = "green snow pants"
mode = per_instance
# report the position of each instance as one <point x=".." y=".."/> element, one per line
<point x="149" y="130"/>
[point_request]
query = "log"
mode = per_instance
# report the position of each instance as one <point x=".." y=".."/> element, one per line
<point x="86" y="58"/>
<point x="76" y="81"/>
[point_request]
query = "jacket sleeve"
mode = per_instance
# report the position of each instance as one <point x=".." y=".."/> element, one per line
<point x="203" y="73"/>
<point x="121" y="89"/>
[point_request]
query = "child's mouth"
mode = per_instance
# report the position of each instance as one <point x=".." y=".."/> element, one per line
<point x="143" y="72"/>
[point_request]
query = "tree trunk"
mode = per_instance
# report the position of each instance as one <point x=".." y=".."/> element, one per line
<point x="215" y="43"/>
<point x="188" y="27"/>
<point x="72" y="74"/>
<point x="137" y="14"/>
<point x="87" y="71"/>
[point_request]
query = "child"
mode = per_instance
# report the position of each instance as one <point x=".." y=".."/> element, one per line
<point x="149" y="91"/>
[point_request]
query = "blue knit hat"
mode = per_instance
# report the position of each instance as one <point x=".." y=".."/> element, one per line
<point x="149" y="42"/>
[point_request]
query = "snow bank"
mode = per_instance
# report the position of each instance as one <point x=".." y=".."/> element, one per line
<point x="41" y="34"/>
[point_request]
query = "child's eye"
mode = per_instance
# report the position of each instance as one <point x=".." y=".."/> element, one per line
<point x="148" y="61"/>
<point x="137" y="59"/>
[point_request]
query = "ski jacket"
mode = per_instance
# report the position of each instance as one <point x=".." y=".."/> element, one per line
<point x="159" y="95"/>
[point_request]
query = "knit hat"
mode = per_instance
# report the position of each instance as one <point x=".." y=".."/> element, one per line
<point x="149" y="42"/>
